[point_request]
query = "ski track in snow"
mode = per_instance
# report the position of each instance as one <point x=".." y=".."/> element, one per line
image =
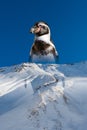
<point x="43" y="97"/>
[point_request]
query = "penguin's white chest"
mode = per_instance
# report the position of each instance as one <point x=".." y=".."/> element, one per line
<point x="49" y="58"/>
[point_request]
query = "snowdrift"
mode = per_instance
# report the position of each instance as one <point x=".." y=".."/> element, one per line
<point x="43" y="97"/>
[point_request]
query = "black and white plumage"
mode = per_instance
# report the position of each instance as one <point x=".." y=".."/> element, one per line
<point x="42" y="50"/>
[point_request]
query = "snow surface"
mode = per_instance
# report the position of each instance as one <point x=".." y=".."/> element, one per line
<point x="43" y="97"/>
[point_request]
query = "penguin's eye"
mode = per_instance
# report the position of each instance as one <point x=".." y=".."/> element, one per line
<point x="42" y="26"/>
<point x="39" y="25"/>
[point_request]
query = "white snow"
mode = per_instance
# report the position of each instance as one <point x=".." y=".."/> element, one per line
<point x="43" y="97"/>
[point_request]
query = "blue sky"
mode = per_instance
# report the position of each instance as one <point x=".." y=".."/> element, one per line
<point x="66" y="18"/>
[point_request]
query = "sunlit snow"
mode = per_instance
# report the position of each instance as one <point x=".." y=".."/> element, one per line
<point x="43" y="97"/>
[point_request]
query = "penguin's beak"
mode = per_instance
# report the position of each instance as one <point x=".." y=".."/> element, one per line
<point x="35" y="30"/>
<point x="32" y="30"/>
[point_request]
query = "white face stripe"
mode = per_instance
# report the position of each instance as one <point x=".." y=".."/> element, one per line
<point x="43" y="24"/>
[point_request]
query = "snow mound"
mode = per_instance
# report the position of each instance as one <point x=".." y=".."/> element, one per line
<point x="43" y="97"/>
<point x="13" y="77"/>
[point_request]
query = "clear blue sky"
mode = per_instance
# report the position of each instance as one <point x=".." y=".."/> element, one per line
<point x="66" y="18"/>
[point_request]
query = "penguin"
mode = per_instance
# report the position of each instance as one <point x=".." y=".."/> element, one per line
<point x="43" y="49"/>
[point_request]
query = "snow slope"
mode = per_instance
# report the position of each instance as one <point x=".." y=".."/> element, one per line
<point x="43" y="97"/>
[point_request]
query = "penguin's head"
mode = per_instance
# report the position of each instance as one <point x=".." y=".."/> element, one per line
<point x="40" y="28"/>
